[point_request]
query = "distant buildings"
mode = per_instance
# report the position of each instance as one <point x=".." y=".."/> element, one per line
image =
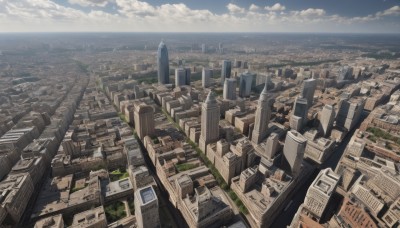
<point x="146" y="208"/>
<point x="163" y="64"/>
<point x="262" y="117"/>
<point x="229" y="92"/>
<point x="210" y="115"/>
<point x="226" y="70"/>
<point x="293" y="151"/>
<point x="203" y="48"/>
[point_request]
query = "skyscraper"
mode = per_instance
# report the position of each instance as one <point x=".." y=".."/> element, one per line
<point x="163" y="64"/>
<point x="226" y="70"/>
<point x="180" y="77"/>
<point x="320" y="192"/>
<point x="299" y="114"/>
<point x="246" y="80"/>
<point x="144" y="120"/>
<point x="187" y="75"/>
<point x="229" y="89"/>
<point x="349" y="113"/>
<point x="326" y="121"/>
<point x="293" y="151"/>
<point x="308" y="90"/>
<point x="146" y="208"/>
<point x="206" y="75"/>
<point x="263" y="114"/>
<point x="210" y="115"/>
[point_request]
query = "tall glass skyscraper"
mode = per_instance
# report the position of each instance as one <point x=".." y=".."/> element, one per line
<point x="163" y="64"/>
<point x="226" y="70"/>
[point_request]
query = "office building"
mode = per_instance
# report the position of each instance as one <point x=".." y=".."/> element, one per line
<point x="345" y="73"/>
<point x="308" y="90"/>
<point x="320" y="192"/>
<point x="210" y="115"/>
<point x="187" y="75"/>
<point x="326" y="120"/>
<point x="144" y="120"/>
<point x="226" y="70"/>
<point x="262" y="117"/>
<point x="163" y="64"/>
<point x="293" y="152"/>
<point x="272" y="145"/>
<point x="349" y="113"/>
<point x="299" y="114"/>
<point x="229" y="89"/>
<point x="206" y="77"/>
<point x="180" y="77"/>
<point x="146" y="208"/>
<point x="245" y="83"/>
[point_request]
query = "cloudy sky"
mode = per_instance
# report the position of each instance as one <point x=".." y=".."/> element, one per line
<point x="357" y="16"/>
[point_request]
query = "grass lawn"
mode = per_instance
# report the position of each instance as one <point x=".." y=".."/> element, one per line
<point x="115" y="211"/>
<point x="118" y="175"/>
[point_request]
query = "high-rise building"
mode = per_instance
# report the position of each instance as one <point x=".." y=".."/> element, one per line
<point x="272" y="145"/>
<point x="163" y="64"/>
<point x="146" y="208"/>
<point x="229" y="89"/>
<point x="299" y="114"/>
<point x="326" y="120"/>
<point x="180" y="77"/>
<point x="349" y="113"/>
<point x="203" y="48"/>
<point x="187" y="75"/>
<point x="262" y="117"/>
<point x="293" y="151"/>
<point x="210" y="115"/>
<point x="226" y="70"/>
<point x="320" y="192"/>
<point x="308" y="90"/>
<point x="144" y="120"/>
<point x="206" y="77"/>
<point x="246" y="80"/>
<point x="345" y="73"/>
<point x="220" y="48"/>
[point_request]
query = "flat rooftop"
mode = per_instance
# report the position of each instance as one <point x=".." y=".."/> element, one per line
<point x="147" y="195"/>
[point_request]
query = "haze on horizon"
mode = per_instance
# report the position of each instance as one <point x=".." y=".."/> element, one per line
<point x="341" y="16"/>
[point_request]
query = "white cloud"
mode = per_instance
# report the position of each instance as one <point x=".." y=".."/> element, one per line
<point x="235" y="8"/>
<point x="276" y="7"/>
<point x="86" y="3"/>
<point x="136" y="15"/>
<point x="253" y="7"/>
<point x="312" y="12"/>
<point x="135" y="8"/>
<point x="394" y="11"/>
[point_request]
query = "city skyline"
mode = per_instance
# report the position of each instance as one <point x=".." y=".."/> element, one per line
<point x="190" y="16"/>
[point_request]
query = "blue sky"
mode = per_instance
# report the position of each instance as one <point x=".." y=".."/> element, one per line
<point x="348" y="16"/>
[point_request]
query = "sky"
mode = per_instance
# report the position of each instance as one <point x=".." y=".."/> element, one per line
<point x="304" y="16"/>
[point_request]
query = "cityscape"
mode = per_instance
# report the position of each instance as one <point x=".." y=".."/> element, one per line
<point x="199" y="129"/>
